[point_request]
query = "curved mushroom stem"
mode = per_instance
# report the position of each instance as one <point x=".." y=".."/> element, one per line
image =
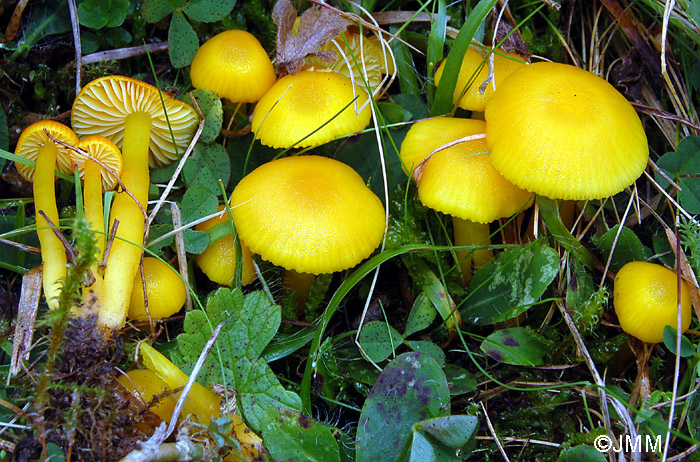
<point x="467" y="232"/>
<point x="300" y="285"/>
<point x="125" y="254"/>
<point x="53" y="254"/>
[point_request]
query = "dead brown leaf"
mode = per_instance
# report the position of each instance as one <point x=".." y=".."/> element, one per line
<point x="316" y="27"/>
<point x="13" y="25"/>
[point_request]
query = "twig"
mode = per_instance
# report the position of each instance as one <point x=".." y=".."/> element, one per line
<point x="108" y="244"/>
<point x="619" y="406"/>
<point x="75" y="25"/>
<point x="123" y="53"/>
<point x="26" y="248"/>
<point x="181" y="254"/>
<point x="493" y="433"/>
<point x="26" y="319"/>
<point x="193" y="377"/>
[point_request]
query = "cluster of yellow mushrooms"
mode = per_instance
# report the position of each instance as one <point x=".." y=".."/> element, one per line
<point x="545" y="128"/>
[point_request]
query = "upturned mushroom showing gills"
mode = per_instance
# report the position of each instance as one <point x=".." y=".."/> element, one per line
<point x="646" y="300"/>
<point x="564" y="133"/>
<point x="35" y="144"/>
<point x="136" y="117"/>
<point x="461" y="181"/>
<point x="234" y="65"/>
<point x="310" y="108"/>
<point x="310" y="214"/>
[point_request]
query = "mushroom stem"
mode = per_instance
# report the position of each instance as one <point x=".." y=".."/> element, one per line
<point x="300" y="285"/>
<point x="123" y="261"/>
<point x="52" y="252"/>
<point x="467" y="232"/>
<point x="92" y="195"/>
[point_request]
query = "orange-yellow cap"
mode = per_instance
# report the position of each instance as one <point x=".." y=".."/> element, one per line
<point x="102" y="149"/>
<point x="34" y="137"/>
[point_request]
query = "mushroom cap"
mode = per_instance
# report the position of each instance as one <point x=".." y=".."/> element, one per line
<point x="309" y="102"/>
<point x="475" y="71"/>
<point x="103" y="104"/>
<point x="103" y="150"/>
<point x="427" y="135"/>
<point x="34" y="137"/>
<point x="218" y="261"/>
<point x="234" y="65"/>
<point x="461" y="181"/>
<point x="359" y="53"/>
<point x="646" y="300"/>
<point x="166" y="291"/>
<point x="564" y="133"/>
<point x="310" y="214"/>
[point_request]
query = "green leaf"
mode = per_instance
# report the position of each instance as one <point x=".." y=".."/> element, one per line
<point x="694" y="10"/>
<point x="517" y="345"/>
<point x="413" y="104"/>
<point x="210" y="105"/>
<point x="156" y="231"/>
<point x="422" y="314"/>
<point x="687" y="348"/>
<point x="182" y="41"/>
<point x="694" y="415"/>
<point x="460" y="380"/>
<point x="197" y="203"/>
<point x="379" y="340"/>
<point x="394" y="113"/>
<point x="411" y="388"/>
<point x="46" y="19"/>
<point x="293" y="436"/>
<point x="452" y="432"/>
<point x="208" y="10"/>
<point x="208" y="164"/>
<point x="428" y="348"/>
<point x="155" y="10"/>
<point x="549" y="209"/>
<point x="586" y="304"/>
<point x="196" y="242"/>
<point x="405" y="68"/>
<point x="683" y="167"/>
<point x="252" y="322"/>
<point x="628" y="247"/>
<point x="431" y="285"/>
<point x="97" y="14"/>
<point x="510" y="283"/>
<point x="443" y="96"/>
<point x="581" y="453"/>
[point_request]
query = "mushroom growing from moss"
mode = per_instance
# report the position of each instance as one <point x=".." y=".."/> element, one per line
<point x="310" y="108"/>
<point x="309" y="214"/>
<point x="152" y="129"/>
<point x="564" y="133"/>
<point x="36" y="145"/>
<point x="234" y="65"/>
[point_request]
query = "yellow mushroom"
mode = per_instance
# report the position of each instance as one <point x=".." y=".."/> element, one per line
<point x="35" y="144"/>
<point x="310" y="108"/>
<point x="234" y="65"/>
<point x="646" y="300"/>
<point x="564" y="133"/>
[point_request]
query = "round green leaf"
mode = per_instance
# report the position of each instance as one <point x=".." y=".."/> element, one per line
<point x="210" y="105"/>
<point x="379" y="340"/>
<point x="518" y="346"/>
<point x="208" y="10"/>
<point x="208" y="164"/>
<point x="182" y="41"/>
